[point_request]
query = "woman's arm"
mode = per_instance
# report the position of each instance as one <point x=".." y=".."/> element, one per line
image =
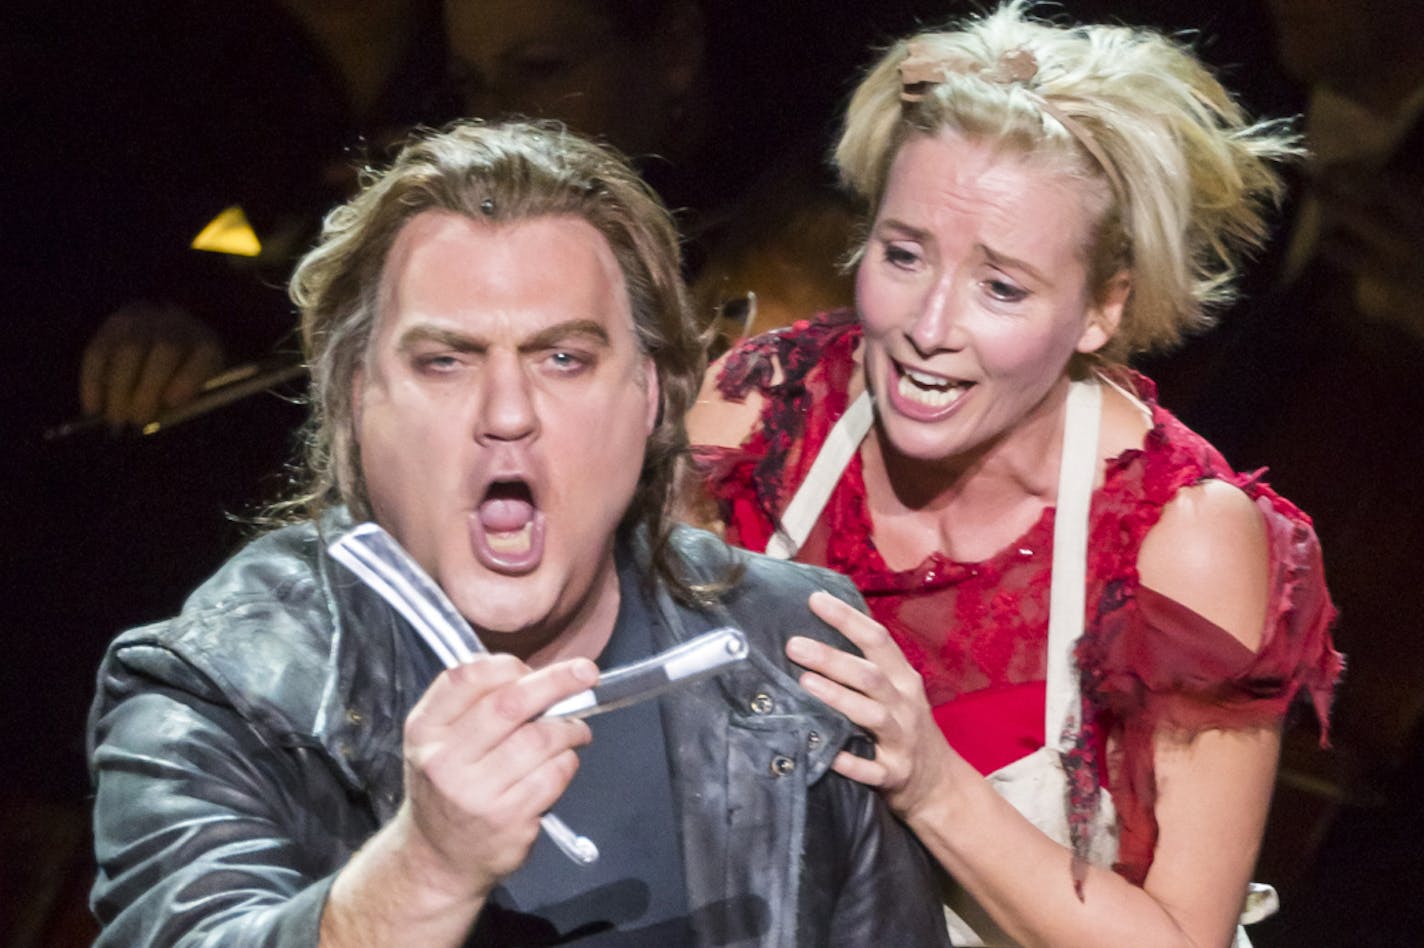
<point x="714" y="422"/>
<point x="1209" y="552"/>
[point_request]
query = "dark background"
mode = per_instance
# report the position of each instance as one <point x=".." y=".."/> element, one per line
<point x="120" y="120"/>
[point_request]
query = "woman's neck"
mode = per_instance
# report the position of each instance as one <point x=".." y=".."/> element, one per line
<point x="968" y="506"/>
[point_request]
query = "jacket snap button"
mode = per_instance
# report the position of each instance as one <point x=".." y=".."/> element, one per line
<point x="354" y="716"/>
<point x="781" y="765"/>
<point x="813" y="740"/>
<point x="762" y="703"/>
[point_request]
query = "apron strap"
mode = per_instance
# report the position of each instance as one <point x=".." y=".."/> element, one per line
<point x="841" y="444"/>
<point x="1067" y="601"/>
<point x="1068" y="588"/>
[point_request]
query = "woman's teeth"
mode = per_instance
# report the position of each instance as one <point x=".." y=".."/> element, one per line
<point x="929" y="390"/>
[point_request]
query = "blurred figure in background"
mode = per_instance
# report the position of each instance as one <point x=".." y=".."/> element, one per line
<point x="255" y="118"/>
<point x="1330" y="361"/>
<point x="129" y="130"/>
<point x="721" y="114"/>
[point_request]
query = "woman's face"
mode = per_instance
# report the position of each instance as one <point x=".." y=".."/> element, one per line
<point x="973" y="294"/>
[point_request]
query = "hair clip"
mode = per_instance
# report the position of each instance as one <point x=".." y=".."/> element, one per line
<point x="921" y="69"/>
<point x="487" y="207"/>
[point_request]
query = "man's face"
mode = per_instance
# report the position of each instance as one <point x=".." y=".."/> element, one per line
<point x="502" y="414"/>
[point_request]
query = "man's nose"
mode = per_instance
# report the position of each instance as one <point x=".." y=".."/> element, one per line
<point x="507" y="410"/>
<point x="936" y="327"/>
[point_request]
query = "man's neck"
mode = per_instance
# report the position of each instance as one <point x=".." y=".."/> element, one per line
<point x="586" y="633"/>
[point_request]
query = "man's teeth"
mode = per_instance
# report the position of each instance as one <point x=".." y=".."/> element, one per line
<point x="511" y="541"/>
<point x="929" y="390"/>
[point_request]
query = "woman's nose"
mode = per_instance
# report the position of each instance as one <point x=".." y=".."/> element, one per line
<point x="936" y="327"/>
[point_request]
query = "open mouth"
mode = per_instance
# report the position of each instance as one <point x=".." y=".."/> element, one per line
<point x="927" y="390"/>
<point x="508" y="528"/>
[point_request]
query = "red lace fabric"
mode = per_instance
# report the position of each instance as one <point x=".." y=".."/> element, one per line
<point x="977" y="632"/>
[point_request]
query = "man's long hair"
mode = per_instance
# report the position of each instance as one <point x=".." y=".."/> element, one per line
<point x="498" y="173"/>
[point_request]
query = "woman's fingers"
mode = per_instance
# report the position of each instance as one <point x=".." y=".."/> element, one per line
<point x="864" y="710"/>
<point x="872" y="773"/>
<point x="871" y="638"/>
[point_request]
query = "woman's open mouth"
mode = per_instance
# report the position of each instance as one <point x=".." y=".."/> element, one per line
<point x="924" y="396"/>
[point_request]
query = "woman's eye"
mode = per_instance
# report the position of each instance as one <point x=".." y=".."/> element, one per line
<point x="900" y="256"/>
<point x="1004" y="291"/>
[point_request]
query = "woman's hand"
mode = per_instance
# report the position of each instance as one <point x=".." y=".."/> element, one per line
<point x="883" y="694"/>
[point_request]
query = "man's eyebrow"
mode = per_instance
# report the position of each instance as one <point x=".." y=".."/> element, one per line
<point x="588" y="329"/>
<point x="543" y="339"/>
<point x="437" y="335"/>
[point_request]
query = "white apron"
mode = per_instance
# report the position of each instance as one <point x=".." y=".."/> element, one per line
<point x="1036" y="785"/>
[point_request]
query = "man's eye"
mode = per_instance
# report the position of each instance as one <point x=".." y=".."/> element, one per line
<point x="565" y="361"/>
<point x="437" y="362"/>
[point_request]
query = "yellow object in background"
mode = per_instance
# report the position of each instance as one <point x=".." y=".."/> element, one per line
<point x="229" y="233"/>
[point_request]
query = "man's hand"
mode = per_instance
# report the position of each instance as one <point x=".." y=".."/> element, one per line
<point x="146" y="358"/>
<point x="481" y="767"/>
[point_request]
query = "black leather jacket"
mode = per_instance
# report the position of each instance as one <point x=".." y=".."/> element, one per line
<point x="244" y="750"/>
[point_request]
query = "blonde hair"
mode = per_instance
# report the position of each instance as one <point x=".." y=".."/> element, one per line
<point x="1182" y="178"/>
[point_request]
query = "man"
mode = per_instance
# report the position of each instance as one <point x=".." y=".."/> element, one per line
<point x="501" y="358"/>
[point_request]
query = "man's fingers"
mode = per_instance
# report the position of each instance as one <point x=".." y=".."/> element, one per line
<point x="497" y="693"/>
<point x="539" y="789"/>
<point x="480" y="770"/>
<point x="92" y="367"/>
<point x="456" y="690"/>
<point x="145" y="357"/>
<point x="160" y="364"/>
<point x="121" y="375"/>
<point x="202" y="362"/>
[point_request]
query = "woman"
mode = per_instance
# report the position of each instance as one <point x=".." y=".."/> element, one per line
<point x="1079" y="605"/>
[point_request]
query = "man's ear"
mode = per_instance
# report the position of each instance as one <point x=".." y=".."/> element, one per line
<point x="653" y="407"/>
<point x="358" y="391"/>
<point x="1105" y="315"/>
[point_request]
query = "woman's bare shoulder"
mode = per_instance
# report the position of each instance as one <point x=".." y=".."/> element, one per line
<point x="718" y="421"/>
<point x="1210" y="552"/>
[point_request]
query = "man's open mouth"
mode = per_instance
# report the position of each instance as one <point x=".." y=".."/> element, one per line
<point x="507" y="529"/>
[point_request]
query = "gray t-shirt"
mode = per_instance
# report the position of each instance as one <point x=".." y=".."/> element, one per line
<point x="622" y="799"/>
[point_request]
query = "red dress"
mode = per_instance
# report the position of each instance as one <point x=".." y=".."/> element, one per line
<point x="977" y="632"/>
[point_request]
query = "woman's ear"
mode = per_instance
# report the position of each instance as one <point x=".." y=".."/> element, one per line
<point x="1105" y="315"/>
